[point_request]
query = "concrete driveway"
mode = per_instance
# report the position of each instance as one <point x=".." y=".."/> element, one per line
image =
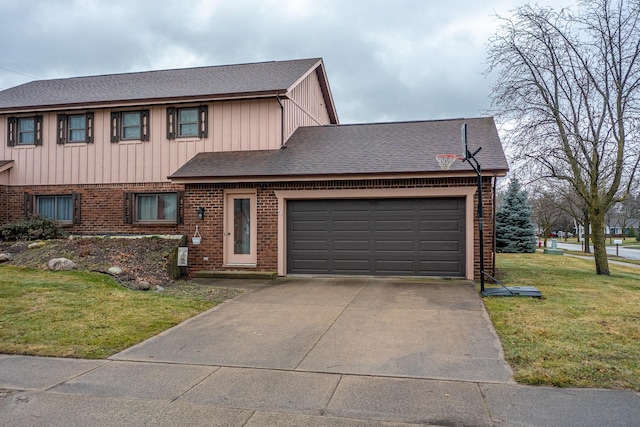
<point x="415" y="328"/>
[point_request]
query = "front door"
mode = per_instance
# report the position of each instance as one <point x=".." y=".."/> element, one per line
<point x="240" y="229"/>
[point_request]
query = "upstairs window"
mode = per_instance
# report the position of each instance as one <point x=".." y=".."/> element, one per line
<point x="130" y="126"/>
<point x="187" y="122"/>
<point x="75" y="128"/>
<point x="24" y="131"/>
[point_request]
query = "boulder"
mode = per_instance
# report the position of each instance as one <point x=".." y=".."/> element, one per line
<point x="59" y="264"/>
<point x="143" y="286"/>
<point x="36" y="245"/>
<point x="5" y="257"/>
<point x="115" y="270"/>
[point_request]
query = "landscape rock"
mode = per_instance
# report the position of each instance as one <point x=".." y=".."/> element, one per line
<point x="60" y="264"/>
<point x="143" y="286"/>
<point x="5" y="257"/>
<point x="115" y="270"/>
<point x="159" y="288"/>
<point x="36" y="245"/>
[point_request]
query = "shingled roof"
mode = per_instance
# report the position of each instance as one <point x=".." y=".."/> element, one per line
<point x="363" y="149"/>
<point x="228" y="81"/>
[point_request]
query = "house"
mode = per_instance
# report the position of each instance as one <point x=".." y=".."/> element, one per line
<point x="254" y="156"/>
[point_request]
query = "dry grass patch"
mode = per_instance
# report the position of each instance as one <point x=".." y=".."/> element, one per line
<point x="585" y="332"/>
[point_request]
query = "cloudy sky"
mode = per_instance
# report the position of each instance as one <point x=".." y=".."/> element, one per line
<point x="388" y="60"/>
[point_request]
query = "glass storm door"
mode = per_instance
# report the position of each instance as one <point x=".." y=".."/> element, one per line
<point x="240" y="230"/>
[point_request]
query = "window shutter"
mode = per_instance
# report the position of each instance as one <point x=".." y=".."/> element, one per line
<point x="171" y="123"/>
<point x="180" y="207"/>
<point x="11" y="131"/>
<point x="115" y="126"/>
<point x="144" y="125"/>
<point x="203" y="121"/>
<point x="38" y="130"/>
<point x="89" y="128"/>
<point x="77" y="207"/>
<point x="127" y="208"/>
<point x="28" y="205"/>
<point x="62" y="129"/>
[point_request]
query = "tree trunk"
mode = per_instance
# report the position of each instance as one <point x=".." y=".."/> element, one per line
<point x="599" y="244"/>
<point x="587" y="227"/>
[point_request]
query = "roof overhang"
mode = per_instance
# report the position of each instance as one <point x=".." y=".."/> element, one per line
<point x="332" y="177"/>
<point x="146" y="101"/>
<point x="6" y="165"/>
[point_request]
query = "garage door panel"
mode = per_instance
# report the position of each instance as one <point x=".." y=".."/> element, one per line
<point x="395" y="225"/>
<point x="351" y="266"/>
<point x="310" y="245"/>
<point x="440" y="246"/>
<point x="351" y="245"/>
<point x="394" y="246"/>
<point x="378" y="237"/>
<point x="310" y="225"/>
<point x="402" y="267"/>
<point x="438" y="267"/>
<point x="350" y="225"/>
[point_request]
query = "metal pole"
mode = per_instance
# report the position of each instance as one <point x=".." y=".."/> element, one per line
<point x="477" y="169"/>
<point x="480" y="226"/>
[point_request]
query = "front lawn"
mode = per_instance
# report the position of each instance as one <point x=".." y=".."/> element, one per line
<point x="585" y="332"/>
<point x="82" y="314"/>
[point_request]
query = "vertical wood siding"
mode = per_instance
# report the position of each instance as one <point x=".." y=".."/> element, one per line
<point x="305" y="106"/>
<point x="233" y="126"/>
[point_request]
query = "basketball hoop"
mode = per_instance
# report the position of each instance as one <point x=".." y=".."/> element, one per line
<point x="446" y="160"/>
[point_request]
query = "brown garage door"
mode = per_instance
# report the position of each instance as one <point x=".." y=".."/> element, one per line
<point x="408" y="237"/>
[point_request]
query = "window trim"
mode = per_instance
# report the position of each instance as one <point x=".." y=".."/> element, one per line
<point x="130" y="208"/>
<point x="64" y="128"/>
<point x="75" y="206"/>
<point x="13" y="131"/>
<point x="117" y="126"/>
<point x="173" y="122"/>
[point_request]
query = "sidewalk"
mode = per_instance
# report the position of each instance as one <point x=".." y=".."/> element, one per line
<point x="36" y="391"/>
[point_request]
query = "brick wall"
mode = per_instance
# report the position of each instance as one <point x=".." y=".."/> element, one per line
<point x="4" y="204"/>
<point x="101" y="207"/>
<point x="211" y="197"/>
<point x="102" y="213"/>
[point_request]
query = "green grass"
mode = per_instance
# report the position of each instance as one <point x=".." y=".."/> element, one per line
<point x="585" y="332"/>
<point x="81" y="314"/>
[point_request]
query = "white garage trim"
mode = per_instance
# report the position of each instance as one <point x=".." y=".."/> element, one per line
<point x="387" y="193"/>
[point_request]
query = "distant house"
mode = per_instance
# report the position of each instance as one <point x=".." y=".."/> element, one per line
<point x="253" y="155"/>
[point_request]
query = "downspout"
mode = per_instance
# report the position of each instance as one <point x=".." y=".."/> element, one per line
<point x="282" y="145"/>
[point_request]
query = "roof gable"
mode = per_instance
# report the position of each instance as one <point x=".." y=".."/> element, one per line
<point x="227" y="81"/>
<point x="376" y="148"/>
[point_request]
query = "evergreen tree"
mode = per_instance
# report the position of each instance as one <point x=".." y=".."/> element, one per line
<point x="514" y="230"/>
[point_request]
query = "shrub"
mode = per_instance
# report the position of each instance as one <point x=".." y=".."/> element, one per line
<point x="33" y="228"/>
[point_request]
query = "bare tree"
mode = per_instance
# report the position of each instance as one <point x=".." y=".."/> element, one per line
<point x="546" y="212"/>
<point x="568" y="88"/>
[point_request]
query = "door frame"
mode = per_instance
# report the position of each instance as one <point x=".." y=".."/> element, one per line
<point x="229" y="258"/>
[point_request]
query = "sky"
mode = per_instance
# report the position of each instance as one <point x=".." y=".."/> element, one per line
<point x="391" y="60"/>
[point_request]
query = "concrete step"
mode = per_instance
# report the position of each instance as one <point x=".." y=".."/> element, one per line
<point x="234" y="274"/>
